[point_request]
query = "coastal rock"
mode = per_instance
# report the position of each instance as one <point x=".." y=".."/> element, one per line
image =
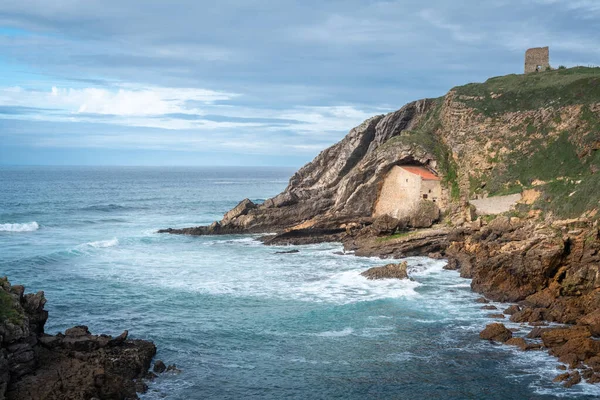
<point x="389" y="271"/>
<point x="241" y="209"/>
<point x="496" y="332"/>
<point x="425" y="214"/>
<point x="159" y="367"/>
<point x="512" y="309"/>
<point x="341" y="182"/>
<point x="386" y="225"/>
<point x="73" y="365"/>
<point x="518" y="342"/>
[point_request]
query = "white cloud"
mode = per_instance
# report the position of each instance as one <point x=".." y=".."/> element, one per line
<point x="126" y="101"/>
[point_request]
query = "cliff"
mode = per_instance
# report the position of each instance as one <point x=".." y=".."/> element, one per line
<point x="534" y="136"/>
<point x="535" y="133"/>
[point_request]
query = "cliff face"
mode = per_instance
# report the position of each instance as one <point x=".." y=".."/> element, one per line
<point x="536" y="132"/>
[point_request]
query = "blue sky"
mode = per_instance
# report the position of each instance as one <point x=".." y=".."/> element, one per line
<point x="239" y="82"/>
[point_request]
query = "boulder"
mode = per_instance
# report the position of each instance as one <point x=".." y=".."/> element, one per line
<point x="489" y="307"/>
<point x="389" y="271"/>
<point x="512" y="310"/>
<point x="241" y="209"/>
<point x="425" y="214"/>
<point x="159" y="367"/>
<point x="519" y="342"/>
<point x="496" y="332"/>
<point x="385" y="225"/>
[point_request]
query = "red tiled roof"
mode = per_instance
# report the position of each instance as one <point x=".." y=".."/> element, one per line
<point x="421" y="171"/>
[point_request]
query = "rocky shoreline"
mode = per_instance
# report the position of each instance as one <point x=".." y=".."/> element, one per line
<point x="510" y="137"/>
<point x="550" y="272"/>
<point x="73" y="365"/>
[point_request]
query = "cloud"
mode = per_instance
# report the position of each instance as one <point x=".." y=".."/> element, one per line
<point x="263" y="77"/>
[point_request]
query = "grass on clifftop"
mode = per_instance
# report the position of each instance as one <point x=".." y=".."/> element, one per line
<point x="7" y="311"/>
<point x="557" y="88"/>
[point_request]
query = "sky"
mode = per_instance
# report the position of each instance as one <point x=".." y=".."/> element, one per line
<point x="249" y="82"/>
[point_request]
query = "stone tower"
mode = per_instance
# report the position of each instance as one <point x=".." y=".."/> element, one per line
<point x="537" y="59"/>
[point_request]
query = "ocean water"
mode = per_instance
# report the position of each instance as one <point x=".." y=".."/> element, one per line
<point x="240" y="320"/>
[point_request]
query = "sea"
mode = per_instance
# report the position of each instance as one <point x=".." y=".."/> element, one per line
<point x="239" y="319"/>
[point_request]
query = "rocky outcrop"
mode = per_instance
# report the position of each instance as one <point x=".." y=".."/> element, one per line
<point x="73" y="365"/>
<point x="496" y="332"/>
<point x="389" y="271"/>
<point x="341" y="183"/>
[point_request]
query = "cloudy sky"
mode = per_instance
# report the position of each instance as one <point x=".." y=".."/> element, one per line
<point x="249" y="82"/>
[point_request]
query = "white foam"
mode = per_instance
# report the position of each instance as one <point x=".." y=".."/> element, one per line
<point x="104" y="243"/>
<point x="351" y="286"/>
<point x="27" y="227"/>
<point x="342" y="333"/>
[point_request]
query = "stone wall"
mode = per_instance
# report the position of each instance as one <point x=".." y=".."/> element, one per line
<point x="399" y="194"/>
<point x="537" y="57"/>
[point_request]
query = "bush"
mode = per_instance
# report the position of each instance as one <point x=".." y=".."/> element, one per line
<point x="562" y="67"/>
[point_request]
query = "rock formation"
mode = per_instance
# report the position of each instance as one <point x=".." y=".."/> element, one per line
<point x="389" y="271"/>
<point x="73" y="365"/>
<point x="537" y="135"/>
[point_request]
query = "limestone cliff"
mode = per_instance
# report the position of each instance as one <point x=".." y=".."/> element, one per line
<point x="536" y="132"/>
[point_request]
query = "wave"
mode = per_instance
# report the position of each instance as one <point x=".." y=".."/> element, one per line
<point x="342" y="333"/>
<point x="106" y="208"/>
<point x="103" y="243"/>
<point x="27" y="227"/>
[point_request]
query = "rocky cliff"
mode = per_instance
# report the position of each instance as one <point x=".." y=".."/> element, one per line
<point x="535" y="133"/>
<point x="73" y="365"/>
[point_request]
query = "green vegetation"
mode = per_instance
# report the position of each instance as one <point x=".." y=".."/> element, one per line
<point x="563" y="165"/>
<point x="7" y="310"/>
<point x="398" y="235"/>
<point x="555" y="88"/>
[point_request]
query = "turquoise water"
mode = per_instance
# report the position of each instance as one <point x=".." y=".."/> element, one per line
<point x="238" y="319"/>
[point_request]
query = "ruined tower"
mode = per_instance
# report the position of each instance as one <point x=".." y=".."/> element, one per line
<point x="537" y="59"/>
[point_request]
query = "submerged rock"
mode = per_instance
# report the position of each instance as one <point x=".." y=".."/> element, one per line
<point x="389" y="271"/>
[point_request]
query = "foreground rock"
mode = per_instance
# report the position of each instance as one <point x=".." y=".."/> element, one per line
<point x="73" y="365"/>
<point x="496" y="332"/>
<point x="389" y="271"/>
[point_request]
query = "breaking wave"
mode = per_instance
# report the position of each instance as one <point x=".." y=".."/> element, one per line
<point x="27" y="227"/>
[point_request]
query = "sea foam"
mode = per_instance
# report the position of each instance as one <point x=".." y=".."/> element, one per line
<point x="27" y="227"/>
<point x="104" y="243"/>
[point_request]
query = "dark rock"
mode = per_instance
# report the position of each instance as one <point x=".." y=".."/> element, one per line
<point x="513" y="309"/>
<point x="519" y="342"/>
<point x="496" y="332"/>
<point x="482" y="300"/>
<point x="159" y="367"/>
<point x="498" y="316"/>
<point x="389" y="271"/>
<point x="88" y="368"/>
<point x="173" y="368"/>
<point x="385" y="225"/>
<point x="288" y="252"/>
<point x="535" y="333"/>
<point x="489" y="307"/>
<point x="574" y="379"/>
